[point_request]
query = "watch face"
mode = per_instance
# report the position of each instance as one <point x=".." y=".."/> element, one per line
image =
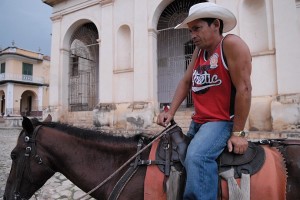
<point x="242" y="133"/>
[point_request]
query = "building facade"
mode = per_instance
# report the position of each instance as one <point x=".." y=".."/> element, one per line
<point x="115" y="63"/>
<point x="24" y="82"/>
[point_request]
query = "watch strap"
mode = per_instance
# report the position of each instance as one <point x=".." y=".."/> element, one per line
<point x="238" y="133"/>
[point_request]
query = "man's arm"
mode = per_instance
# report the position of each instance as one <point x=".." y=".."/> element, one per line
<point x="239" y="64"/>
<point x="181" y="92"/>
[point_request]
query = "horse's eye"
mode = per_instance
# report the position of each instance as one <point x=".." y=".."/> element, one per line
<point x="13" y="156"/>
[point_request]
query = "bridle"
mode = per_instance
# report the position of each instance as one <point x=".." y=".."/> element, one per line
<point x="30" y="152"/>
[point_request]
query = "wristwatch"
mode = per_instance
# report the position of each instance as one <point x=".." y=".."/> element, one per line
<point x="239" y="133"/>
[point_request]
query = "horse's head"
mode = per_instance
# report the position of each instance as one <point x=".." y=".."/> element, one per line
<point x="28" y="171"/>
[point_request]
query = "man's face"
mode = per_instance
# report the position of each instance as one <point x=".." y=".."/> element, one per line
<point x="201" y="33"/>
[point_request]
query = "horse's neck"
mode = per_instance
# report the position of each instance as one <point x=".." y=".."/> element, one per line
<point x="83" y="161"/>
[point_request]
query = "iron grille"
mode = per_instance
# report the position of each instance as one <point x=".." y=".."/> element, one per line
<point x="83" y="71"/>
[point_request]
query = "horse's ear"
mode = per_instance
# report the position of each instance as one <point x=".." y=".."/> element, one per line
<point x="27" y="125"/>
<point x="48" y="119"/>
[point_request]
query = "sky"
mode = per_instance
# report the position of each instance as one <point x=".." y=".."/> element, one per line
<point x="27" y="23"/>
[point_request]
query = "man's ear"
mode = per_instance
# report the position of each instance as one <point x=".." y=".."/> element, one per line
<point x="217" y="23"/>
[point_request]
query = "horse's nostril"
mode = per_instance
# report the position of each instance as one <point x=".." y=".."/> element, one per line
<point x="4" y="198"/>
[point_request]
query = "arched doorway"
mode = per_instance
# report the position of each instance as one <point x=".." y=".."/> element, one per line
<point x="174" y="50"/>
<point x="83" y="73"/>
<point x="29" y="104"/>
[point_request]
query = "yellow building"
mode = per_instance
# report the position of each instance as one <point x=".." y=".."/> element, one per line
<point x="24" y="82"/>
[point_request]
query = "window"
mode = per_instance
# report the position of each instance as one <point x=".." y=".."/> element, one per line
<point x="27" y="69"/>
<point x="27" y="72"/>
<point x="2" y="68"/>
<point x="124" y="42"/>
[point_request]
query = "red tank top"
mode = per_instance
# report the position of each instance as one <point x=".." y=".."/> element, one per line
<point x="212" y="90"/>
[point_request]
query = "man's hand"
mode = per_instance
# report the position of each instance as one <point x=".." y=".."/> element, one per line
<point x="164" y="118"/>
<point x="237" y="144"/>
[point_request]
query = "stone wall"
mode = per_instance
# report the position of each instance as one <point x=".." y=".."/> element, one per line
<point x="285" y="112"/>
<point x="125" y="118"/>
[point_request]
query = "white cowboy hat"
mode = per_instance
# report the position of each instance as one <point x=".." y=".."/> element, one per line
<point x="210" y="10"/>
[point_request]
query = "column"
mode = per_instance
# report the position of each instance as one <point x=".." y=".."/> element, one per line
<point x="141" y="62"/>
<point x="9" y="99"/>
<point x="287" y="40"/>
<point x="106" y="53"/>
<point x="40" y="98"/>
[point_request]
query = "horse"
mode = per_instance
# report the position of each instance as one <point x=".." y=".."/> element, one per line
<point x="87" y="157"/>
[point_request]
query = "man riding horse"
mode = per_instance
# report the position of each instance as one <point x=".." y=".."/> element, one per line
<point x="219" y="77"/>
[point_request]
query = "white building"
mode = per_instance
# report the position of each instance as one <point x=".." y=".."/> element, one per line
<point x="115" y="62"/>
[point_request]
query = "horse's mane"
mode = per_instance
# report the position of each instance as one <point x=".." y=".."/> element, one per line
<point x="89" y="134"/>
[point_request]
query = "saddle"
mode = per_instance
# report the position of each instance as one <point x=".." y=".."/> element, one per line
<point x="169" y="157"/>
<point x="248" y="163"/>
<point x="171" y="150"/>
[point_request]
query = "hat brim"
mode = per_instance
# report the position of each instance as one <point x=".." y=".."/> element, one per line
<point x="214" y="11"/>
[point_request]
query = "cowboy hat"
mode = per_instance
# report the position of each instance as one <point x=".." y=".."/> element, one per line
<point x="209" y="10"/>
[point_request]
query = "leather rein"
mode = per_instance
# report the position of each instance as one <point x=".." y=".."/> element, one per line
<point x="30" y="152"/>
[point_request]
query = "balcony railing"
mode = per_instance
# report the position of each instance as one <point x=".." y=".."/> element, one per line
<point x="22" y="78"/>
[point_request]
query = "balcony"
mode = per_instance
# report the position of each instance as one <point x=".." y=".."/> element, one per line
<point x="22" y="78"/>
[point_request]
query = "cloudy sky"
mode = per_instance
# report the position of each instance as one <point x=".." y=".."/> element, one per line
<point x="27" y="23"/>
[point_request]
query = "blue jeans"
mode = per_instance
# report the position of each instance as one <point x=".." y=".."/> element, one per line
<point x="208" y="142"/>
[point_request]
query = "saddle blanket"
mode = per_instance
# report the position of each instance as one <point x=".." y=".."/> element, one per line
<point x="154" y="180"/>
<point x="269" y="183"/>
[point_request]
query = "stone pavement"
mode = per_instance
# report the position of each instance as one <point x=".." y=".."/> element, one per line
<point x="58" y="187"/>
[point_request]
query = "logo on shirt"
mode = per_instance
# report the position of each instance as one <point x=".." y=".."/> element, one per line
<point x="204" y="77"/>
<point x="214" y="61"/>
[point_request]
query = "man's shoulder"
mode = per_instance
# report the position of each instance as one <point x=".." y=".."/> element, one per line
<point x="232" y="38"/>
<point x="233" y="43"/>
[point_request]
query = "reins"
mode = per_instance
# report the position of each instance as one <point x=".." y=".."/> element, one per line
<point x="156" y="137"/>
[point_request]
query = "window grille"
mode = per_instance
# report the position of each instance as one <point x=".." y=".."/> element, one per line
<point x="174" y="49"/>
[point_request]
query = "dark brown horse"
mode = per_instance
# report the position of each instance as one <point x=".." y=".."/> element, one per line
<point x="87" y="158"/>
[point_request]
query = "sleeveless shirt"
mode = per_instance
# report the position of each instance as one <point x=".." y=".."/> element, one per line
<point x="212" y="90"/>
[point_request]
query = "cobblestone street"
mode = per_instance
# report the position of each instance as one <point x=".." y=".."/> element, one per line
<point x="58" y="187"/>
